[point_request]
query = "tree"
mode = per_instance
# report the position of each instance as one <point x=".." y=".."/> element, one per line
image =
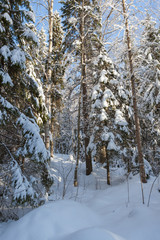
<point x="41" y="56"/>
<point x="20" y="96"/>
<point x="82" y="28"/>
<point x="148" y="75"/>
<point x="57" y="77"/>
<point x="53" y="71"/>
<point x="111" y="139"/>
<point x="132" y="76"/>
<point x="49" y="70"/>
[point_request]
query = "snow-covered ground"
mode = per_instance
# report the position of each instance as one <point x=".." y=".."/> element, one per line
<point x="93" y="210"/>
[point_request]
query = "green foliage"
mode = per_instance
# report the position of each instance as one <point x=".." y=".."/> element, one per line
<point x="22" y="101"/>
<point x="148" y="75"/>
<point x="110" y="114"/>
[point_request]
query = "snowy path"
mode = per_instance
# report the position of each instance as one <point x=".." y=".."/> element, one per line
<point x="91" y="211"/>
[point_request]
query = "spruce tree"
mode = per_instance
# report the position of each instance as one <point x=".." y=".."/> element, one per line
<point x="111" y="139"/>
<point x="20" y="103"/>
<point x="148" y="75"/>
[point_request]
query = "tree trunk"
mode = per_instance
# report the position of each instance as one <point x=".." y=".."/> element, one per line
<point x="138" y="138"/>
<point x="78" y="143"/>
<point x="108" y="170"/>
<point x="52" y="129"/>
<point x="47" y="138"/>
<point x="84" y="94"/>
<point x="105" y="156"/>
<point x="49" y="71"/>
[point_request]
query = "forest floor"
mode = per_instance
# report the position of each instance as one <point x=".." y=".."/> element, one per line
<point x="93" y="210"/>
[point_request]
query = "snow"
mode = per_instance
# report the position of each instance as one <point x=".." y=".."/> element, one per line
<point x="18" y="57"/>
<point x="22" y="188"/>
<point x="112" y="145"/>
<point x="93" y="210"/>
<point x="30" y="35"/>
<point x="97" y="104"/>
<point x="106" y="136"/>
<point x="103" y="115"/>
<point x="119" y="119"/>
<point x="122" y="93"/>
<point x="107" y="95"/>
<point x="96" y="92"/>
<point x="8" y="18"/>
<point x="150" y="57"/>
<point x="30" y="15"/>
<point x="103" y="77"/>
<point x="7" y="79"/>
<point x="72" y="20"/>
<point x="34" y="143"/>
<point x="5" y="103"/>
<point x="5" y="51"/>
<point x="2" y="29"/>
<point x="93" y="233"/>
<point x="109" y="99"/>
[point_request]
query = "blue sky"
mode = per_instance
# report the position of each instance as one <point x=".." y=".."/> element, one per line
<point x="41" y="12"/>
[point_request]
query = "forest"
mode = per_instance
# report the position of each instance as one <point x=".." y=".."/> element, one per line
<point x="80" y="82"/>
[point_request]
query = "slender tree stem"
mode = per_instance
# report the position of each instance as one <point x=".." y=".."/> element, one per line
<point x="138" y="137"/>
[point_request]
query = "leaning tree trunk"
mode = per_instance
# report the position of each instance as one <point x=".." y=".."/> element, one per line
<point x="138" y="137"/>
<point x="49" y="71"/>
<point x="84" y="94"/>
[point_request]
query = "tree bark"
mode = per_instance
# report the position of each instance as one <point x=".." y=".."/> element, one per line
<point x="105" y="156"/>
<point x="108" y="169"/>
<point x="84" y="94"/>
<point x="52" y="129"/>
<point x="137" y="125"/>
<point x="78" y="143"/>
<point x="49" y="71"/>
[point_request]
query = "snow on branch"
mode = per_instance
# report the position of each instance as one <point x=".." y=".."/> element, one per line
<point x="30" y="15"/>
<point x="18" y="57"/>
<point x="33" y="143"/>
<point x="6" y="78"/>
<point x="22" y="188"/>
<point x="30" y="35"/>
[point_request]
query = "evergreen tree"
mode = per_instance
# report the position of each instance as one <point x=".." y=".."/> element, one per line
<point x="20" y="101"/>
<point x="148" y="75"/>
<point x="111" y="138"/>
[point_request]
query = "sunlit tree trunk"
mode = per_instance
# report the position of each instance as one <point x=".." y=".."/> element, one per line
<point x="138" y="138"/>
<point x="49" y="71"/>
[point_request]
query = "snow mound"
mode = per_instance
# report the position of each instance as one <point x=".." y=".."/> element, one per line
<point x="94" y="234"/>
<point x="52" y="221"/>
